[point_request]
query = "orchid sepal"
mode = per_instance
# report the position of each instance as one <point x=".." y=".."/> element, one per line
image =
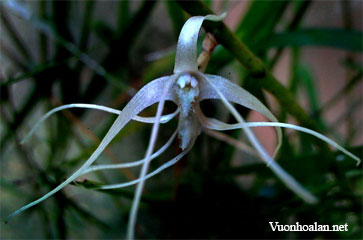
<point x="186" y="50"/>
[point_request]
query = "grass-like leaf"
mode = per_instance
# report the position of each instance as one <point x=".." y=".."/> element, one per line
<point x="333" y="38"/>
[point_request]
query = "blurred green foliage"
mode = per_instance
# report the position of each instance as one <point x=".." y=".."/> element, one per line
<point x="78" y="55"/>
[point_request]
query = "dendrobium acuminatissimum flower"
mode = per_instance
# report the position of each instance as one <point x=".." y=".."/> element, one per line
<point x="187" y="87"/>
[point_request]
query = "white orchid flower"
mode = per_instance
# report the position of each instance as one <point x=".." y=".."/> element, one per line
<point x="187" y="87"/>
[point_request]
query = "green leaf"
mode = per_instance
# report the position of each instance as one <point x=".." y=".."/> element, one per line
<point x="208" y="2"/>
<point x="257" y="16"/>
<point x="310" y="86"/>
<point x="119" y="50"/>
<point x="335" y="38"/>
<point x="258" y="24"/>
<point x="299" y="12"/>
<point x="45" y="27"/>
<point x="14" y="35"/>
<point x="86" y="24"/>
<point x="34" y="73"/>
<point x="177" y="17"/>
<point x="103" y="31"/>
<point x="123" y="15"/>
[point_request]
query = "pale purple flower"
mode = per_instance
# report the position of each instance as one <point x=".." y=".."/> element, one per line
<point x="187" y="87"/>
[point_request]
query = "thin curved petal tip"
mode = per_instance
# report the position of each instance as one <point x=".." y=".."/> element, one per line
<point x="216" y="17"/>
<point x="186" y="50"/>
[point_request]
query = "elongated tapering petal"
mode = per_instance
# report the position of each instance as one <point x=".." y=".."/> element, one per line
<point x="218" y="125"/>
<point x="236" y="94"/>
<point x="147" y="96"/>
<point x="153" y="173"/>
<point x="288" y="180"/>
<point x="163" y="119"/>
<point x="131" y="164"/>
<point x="165" y="89"/>
<point x="186" y="50"/>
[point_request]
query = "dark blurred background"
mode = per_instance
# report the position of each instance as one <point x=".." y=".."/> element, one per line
<point x="101" y="52"/>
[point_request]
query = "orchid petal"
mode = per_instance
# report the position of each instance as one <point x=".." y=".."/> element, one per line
<point x="167" y="88"/>
<point x="148" y="95"/>
<point x="217" y="125"/>
<point x="131" y="164"/>
<point x="163" y="119"/>
<point x="153" y="173"/>
<point x="236" y="94"/>
<point x="287" y="179"/>
<point x="186" y="50"/>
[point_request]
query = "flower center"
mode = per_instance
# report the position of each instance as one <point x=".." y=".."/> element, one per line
<point x="187" y="81"/>
<point x="187" y="91"/>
